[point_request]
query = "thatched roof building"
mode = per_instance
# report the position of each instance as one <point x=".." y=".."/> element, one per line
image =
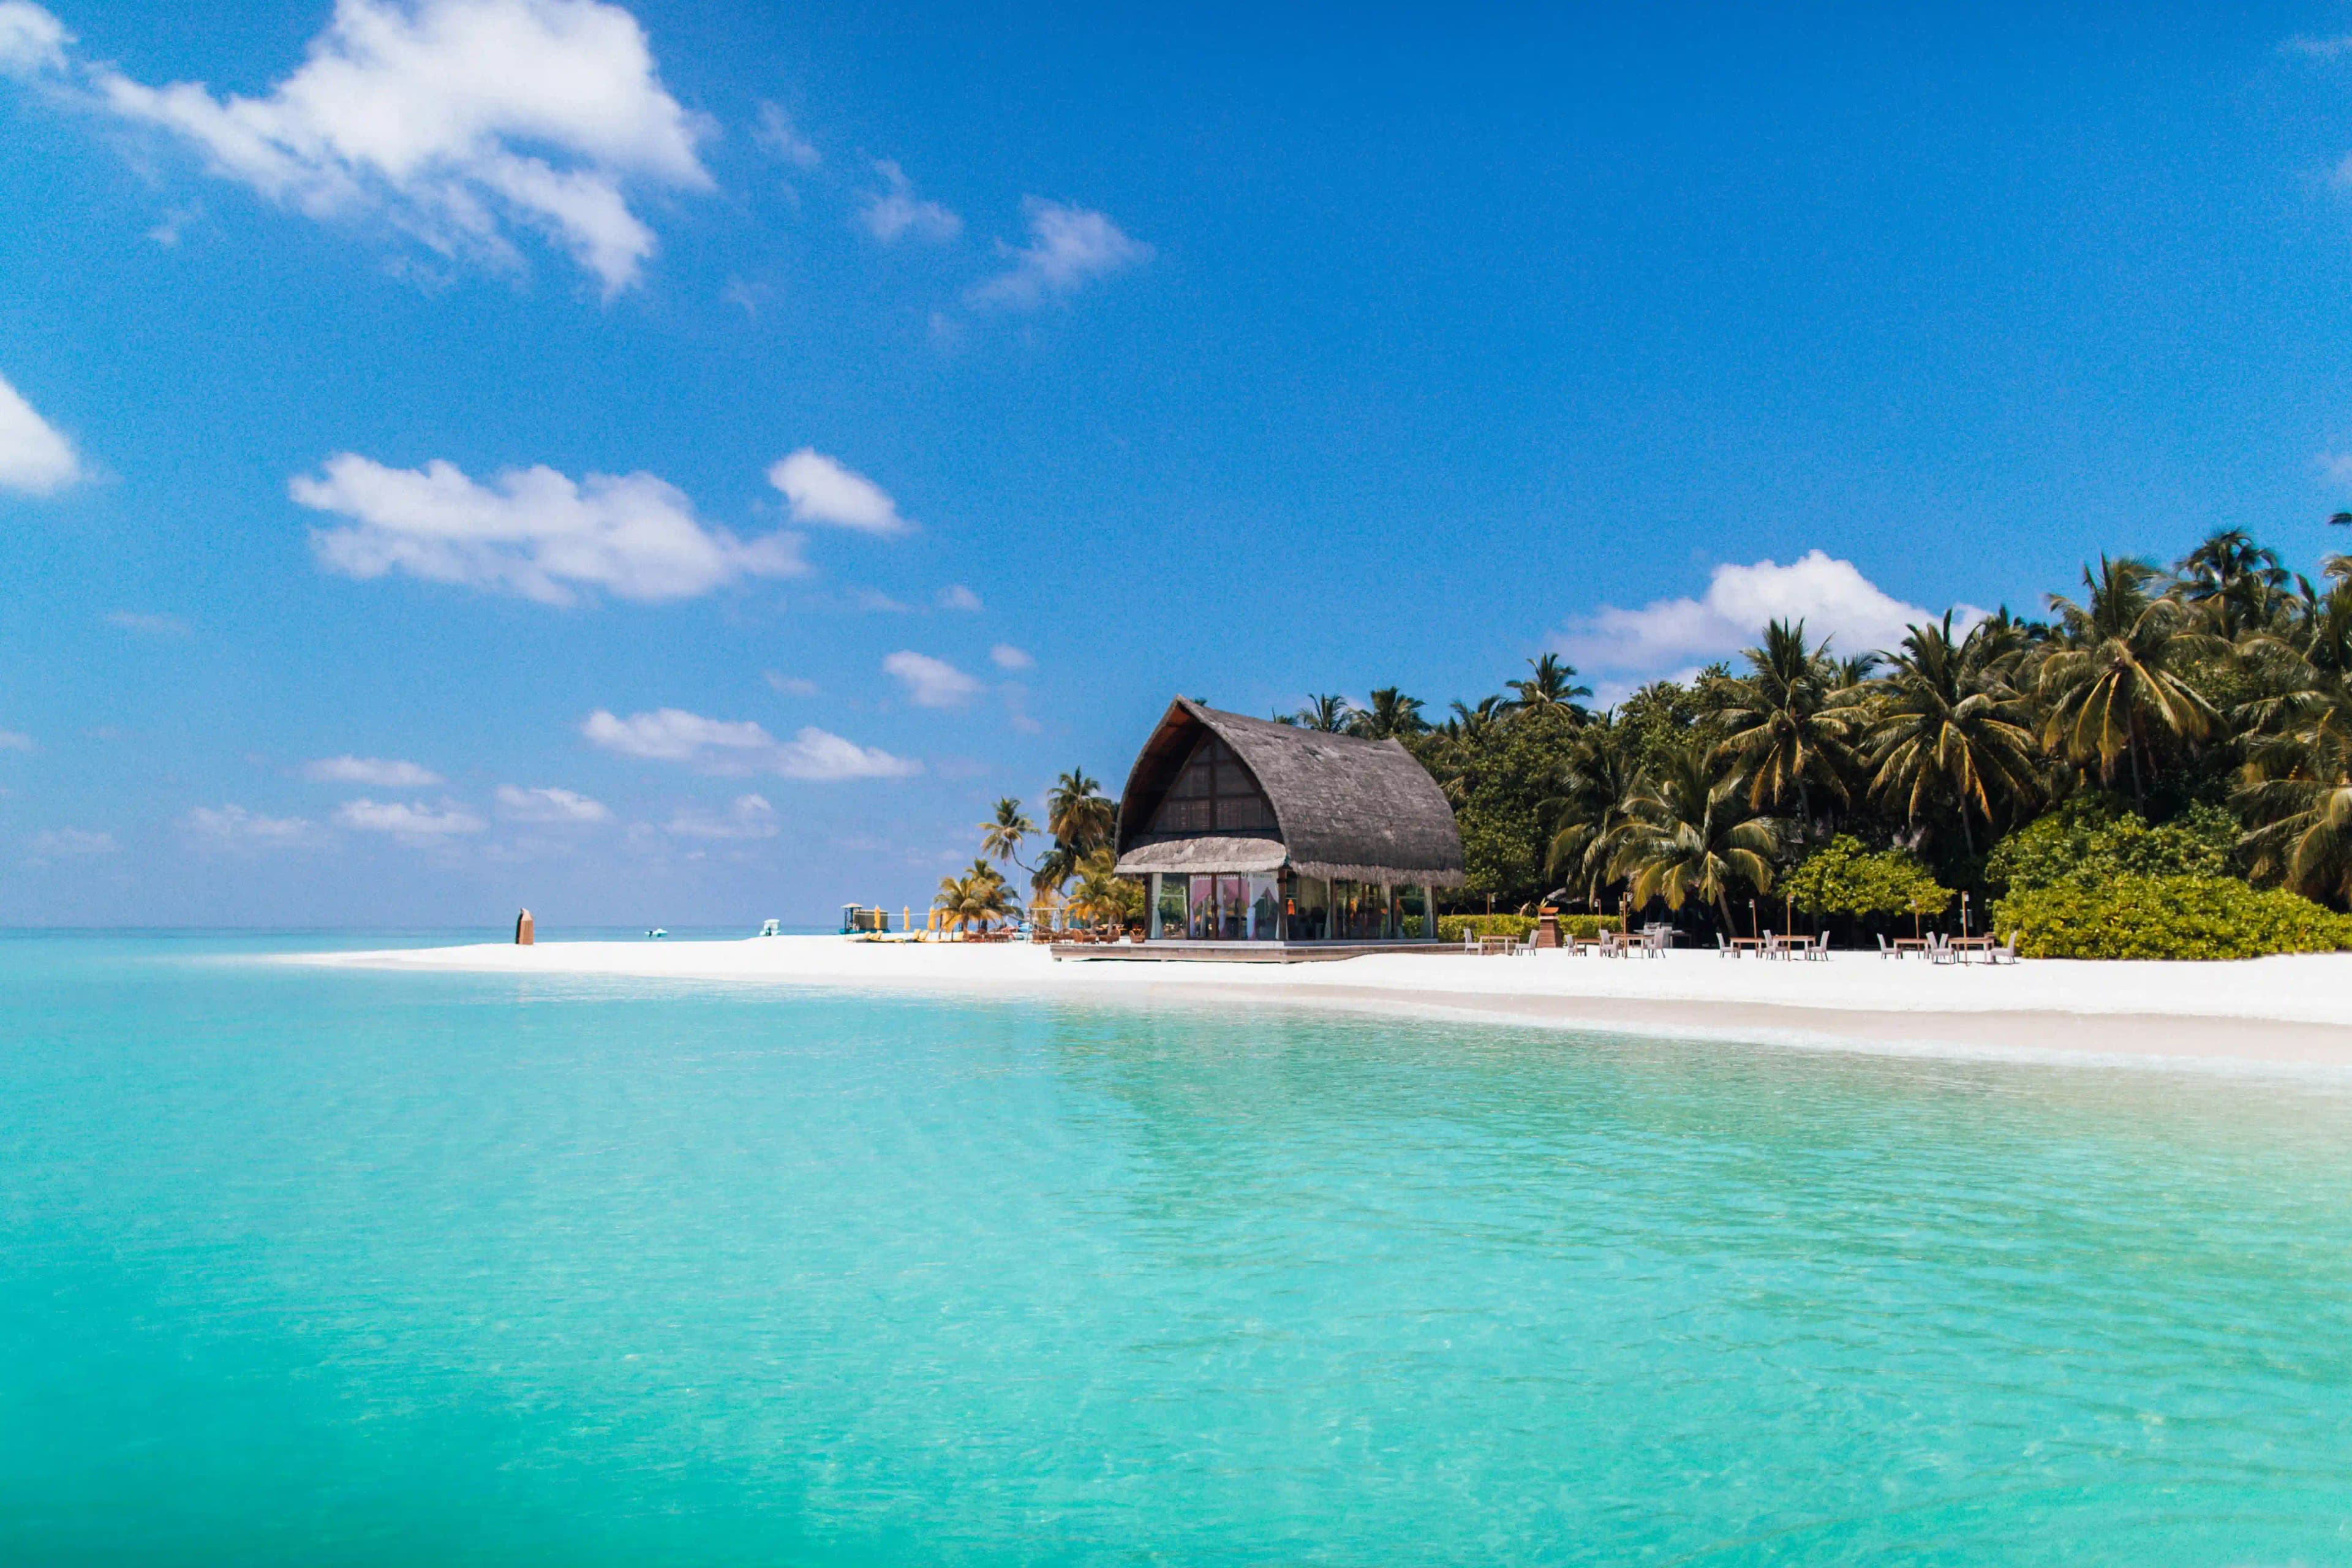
<point x="1288" y="833"/>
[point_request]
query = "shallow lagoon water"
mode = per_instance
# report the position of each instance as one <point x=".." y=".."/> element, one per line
<point x="311" y="1266"/>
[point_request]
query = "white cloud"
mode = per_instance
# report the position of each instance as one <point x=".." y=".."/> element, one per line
<point x="236" y="825"/>
<point x="1831" y="596"/>
<point x="152" y="624"/>
<point x="751" y="817"/>
<point x="377" y="773"/>
<point x="458" y="122"/>
<point x="877" y="602"/>
<point x="405" y="821"/>
<point x="956" y="596"/>
<point x="776" y="135"/>
<point x="821" y="490"/>
<point x="551" y="806"/>
<point x="738" y="746"/>
<point x="790" y="685"/>
<point x="895" y="212"/>
<point x="1067" y="247"/>
<point x="1007" y="657"/>
<point x="74" y="841"/>
<point x="31" y="40"/>
<point x="17" y="741"/>
<point x="33" y="459"/>
<point x="931" y="682"/>
<point x="531" y="531"/>
<point x="2335" y="467"/>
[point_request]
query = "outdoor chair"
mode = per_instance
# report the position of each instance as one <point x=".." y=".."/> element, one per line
<point x="1883" y="951"/>
<point x="1723" y="948"/>
<point x="2006" y="952"/>
<point x="1940" y="950"/>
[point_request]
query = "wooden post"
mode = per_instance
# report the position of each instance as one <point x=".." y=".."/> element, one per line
<point x="1547" y="927"/>
<point x="525" y="934"/>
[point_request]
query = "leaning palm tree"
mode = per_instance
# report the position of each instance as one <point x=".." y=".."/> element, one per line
<point x="1001" y="835"/>
<point x="2121" y="675"/>
<point x="1389" y="715"/>
<point x="1552" y="687"/>
<point x="1589" y="817"/>
<point x="1947" y="731"/>
<point x="1784" y="731"/>
<point x="1691" y="837"/>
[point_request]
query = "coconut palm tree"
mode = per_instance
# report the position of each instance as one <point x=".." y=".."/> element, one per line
<point x="1691" y="835"/>
<point x="1327" y="712"/>
<point x="1001" y="835"/>
<point x="1784" y="731"/>
<point x="1391" y="715"/>
<point x="1589" y="817"/>
<point x="1947" y="731"/>
<point x="2297" y="785"/>
<point x="1552" y="688"/>
<point x="1077" y="815"/>
<point x="1100" y="896"/>
<point x="2233" y="581"/>
<point x="2119" y="675"/>
<point x="972" y="899"/>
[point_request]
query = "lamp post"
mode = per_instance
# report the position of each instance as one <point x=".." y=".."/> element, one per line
<point x="1964" y="912"/>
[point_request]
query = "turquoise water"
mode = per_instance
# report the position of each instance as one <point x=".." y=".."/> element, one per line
<point x="313" y="1266"/>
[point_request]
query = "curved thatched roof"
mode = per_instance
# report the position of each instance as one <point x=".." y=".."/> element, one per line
<point x="1360" y="810"/>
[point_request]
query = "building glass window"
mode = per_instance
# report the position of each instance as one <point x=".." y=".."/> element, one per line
<point x="1412" y="914"/>
<point x="1265" y="910"/>
<point x="1232" y="909"/>
<point x="1308" y="910"/>
<point x="1199" y="922"/>
<point x="1172" y="911"/>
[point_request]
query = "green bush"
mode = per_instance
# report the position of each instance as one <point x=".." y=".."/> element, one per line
<point x="1452" y="928"/>
<point x="2086" y="844"/>
<point x="1841" y="877"/>
<point x="2166" y="917"/>
<point x="1586" y="927"/>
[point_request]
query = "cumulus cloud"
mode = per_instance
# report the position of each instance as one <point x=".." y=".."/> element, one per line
<point x="776" y="135"/>
<point x="234" y="825"/>
<point x="750" y="816"/>
<point x="1006" y="657"/>
<point x="459" y="124"/>
<point x="531" y="531"/>
<point x="738" y="746"/>
<point x="74" y="841"/>
<point x="403" y="820"/>
<point x="148" y="624"/>
<point x="1068" y="247"/>
<point x="896" y="212"/>
<point x="549" y="806"/>
<point x="956" y="596"/>
<point x="31" y="40"/>
<point x="821" y="490"/>
<point x="35" y="460"/>
<point x="1831" y="596"/>
<point x="376" y="773"/>
<point x="931" y="682"/>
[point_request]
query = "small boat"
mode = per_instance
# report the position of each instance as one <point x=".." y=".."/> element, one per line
<point x="772" y="928"/>
<point x="656" y="931"/>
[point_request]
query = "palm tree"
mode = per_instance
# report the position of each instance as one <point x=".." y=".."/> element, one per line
<point x="2296" y="783"/>
<point x="1077" y="815"/>
<point x="2233" y="580"/>
<point x="1589" y="817"/>
<point x="2119" y="675"/>
<point x="1327" y="712"/>
<point x="974" y="899"/>
<point x="1946" y="729"/>
<point x="1101" y="896"/>
<point x="1690" y="836"/>
<point x="1001" y="837"/>
<point x="1391" y="716"/>
<point x="1551" y="688"/>
<point x="1785" y="732"/>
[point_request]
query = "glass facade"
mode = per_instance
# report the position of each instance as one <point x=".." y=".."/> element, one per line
<point x="1307" y="910"/>
<point x="1230" y="907"/>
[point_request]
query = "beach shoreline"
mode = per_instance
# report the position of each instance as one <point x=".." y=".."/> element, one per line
<point x="2287" y="1011"/>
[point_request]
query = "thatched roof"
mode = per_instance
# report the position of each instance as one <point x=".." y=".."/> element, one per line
<point x="1345" y="808"/>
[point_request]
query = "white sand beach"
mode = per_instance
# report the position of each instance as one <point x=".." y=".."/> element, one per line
<point x="2283" y="1010"/>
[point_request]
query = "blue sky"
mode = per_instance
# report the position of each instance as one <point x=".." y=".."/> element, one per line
<point x="682" y="463"/>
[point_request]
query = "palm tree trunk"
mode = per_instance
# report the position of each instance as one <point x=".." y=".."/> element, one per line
<point x="2131" y="749"/>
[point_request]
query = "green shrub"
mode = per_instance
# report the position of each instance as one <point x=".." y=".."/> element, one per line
<point x="1452" y="928"/>
<point x="2166" y="917"/>
<point x="2086" y="844"/>
<point x="1841" y="877"/>
<point x="1587" y="927"/>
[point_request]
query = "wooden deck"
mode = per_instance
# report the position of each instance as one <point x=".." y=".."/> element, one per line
<point x="1166" y="952"/>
